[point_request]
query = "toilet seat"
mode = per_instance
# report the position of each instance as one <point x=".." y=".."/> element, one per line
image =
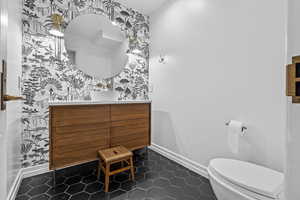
<point x="253" y="180"/>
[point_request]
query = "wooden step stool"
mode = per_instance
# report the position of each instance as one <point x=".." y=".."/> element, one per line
<point x="111" y="156"/>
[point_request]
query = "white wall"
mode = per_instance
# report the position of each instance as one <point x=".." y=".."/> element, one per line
<point x="225" y="60"/>
<point x="293" y="29"/>
<point x="10" y="132"/>
<point x="14" y="70"/>
<point x="3" y="31"/>
<point x="293" y="142"/>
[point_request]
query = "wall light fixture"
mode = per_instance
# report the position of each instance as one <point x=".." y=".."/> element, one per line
<point x="57" y="21"/>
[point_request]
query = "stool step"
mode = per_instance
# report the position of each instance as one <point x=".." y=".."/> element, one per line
<point x="119" y="170"/>
<point x="114" y="154"/>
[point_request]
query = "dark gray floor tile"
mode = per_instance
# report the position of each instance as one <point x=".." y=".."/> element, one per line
<point x="24" y="188"/>
<point x="57" y="189"/>
<point x="41" y="197"/>
<point x="89" y="179"/>
<point x="22" y="197"/>
<point x="177" y="181"/>
<point x="156" y="193"/>
<point x="156" y="178"/>
<point x="94" y="187"/>
<point x="80" y="196"/>
<point x="145" y="185"/>
<point x="99" y="196"/>
<point x="62" y="196"/>
<point x="36" y="181"/>
<point x="72" y="180"/>
<point x="76" y="188"/>
<point x="113" y="186"/>
<point x="56" y="181"/>
<point x="118" y="195"/>
<point x="128" y="185"/>
<point x="38" y="190"/>
<point x="206" y="189"/>
<point x="136" y="194"/>
<point x="194" y="181"/>
<point x="121" y="177"/>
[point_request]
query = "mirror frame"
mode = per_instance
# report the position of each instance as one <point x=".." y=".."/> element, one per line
<point x="109" y="14"/>
<point x="64" y="28"/>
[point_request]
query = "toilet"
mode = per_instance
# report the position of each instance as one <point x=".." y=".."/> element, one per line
<point x="238" y="180"/>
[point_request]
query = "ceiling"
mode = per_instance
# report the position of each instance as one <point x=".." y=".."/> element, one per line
<point x="143" y="6"/>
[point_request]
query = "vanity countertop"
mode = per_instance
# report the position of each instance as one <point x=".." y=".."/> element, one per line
<point x="65" y="103"/>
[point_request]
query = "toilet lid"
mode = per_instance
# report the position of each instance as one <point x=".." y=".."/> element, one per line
<point x="252" y="177"/>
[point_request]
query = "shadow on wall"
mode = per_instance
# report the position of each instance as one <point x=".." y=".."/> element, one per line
<point x="164" y="132"/>
<point x="13" y="140"/>
<point x="252" y="144"/>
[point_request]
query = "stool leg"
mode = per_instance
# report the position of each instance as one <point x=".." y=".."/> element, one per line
<point x="107" y="170"/>
<point x="131" y="168"/>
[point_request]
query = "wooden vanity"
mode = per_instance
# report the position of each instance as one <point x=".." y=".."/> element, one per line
<point x="78" y="131"/>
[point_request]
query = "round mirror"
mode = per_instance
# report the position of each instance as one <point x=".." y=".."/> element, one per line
<point x="96" y="46"/>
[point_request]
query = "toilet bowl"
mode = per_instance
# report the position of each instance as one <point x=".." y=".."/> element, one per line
<point x="238" y="180"/>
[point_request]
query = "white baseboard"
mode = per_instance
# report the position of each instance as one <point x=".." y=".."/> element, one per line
<point x="15" y="186"/>
<point x="189" y="164"/>
<point x="35" y="170"/>
<point x="25" y="173"/>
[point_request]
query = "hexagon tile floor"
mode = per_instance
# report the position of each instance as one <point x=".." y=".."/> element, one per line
<point x="157" y="178"/>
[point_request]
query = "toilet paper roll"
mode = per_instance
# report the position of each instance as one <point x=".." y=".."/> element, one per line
<point x="234" y="133"/>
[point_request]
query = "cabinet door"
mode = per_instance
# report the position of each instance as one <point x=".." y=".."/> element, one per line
<point x="133" y="134"/>
<point x="77" y="144"/>
<point x="77" y="134"/>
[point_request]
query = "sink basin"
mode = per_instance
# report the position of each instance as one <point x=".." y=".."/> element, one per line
<point x="104" y="95"/>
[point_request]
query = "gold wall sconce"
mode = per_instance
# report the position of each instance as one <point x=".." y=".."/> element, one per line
<point x="56" y="29"/>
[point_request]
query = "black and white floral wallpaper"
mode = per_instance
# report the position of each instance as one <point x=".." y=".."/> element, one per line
<point x="49" y="75"/>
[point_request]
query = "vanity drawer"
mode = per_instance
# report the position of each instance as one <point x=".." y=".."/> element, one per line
<point x="77" y="130"/>
<point x="129" y="111"/>
<point x="132" y="134"/>
<point x="66" y="159"/>
<point x="97" y="143"/>
<point x="97" y="134"/>
<point x="76" y="115"/>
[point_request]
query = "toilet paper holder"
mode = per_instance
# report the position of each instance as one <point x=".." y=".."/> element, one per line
<point x="244" y="128"/>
